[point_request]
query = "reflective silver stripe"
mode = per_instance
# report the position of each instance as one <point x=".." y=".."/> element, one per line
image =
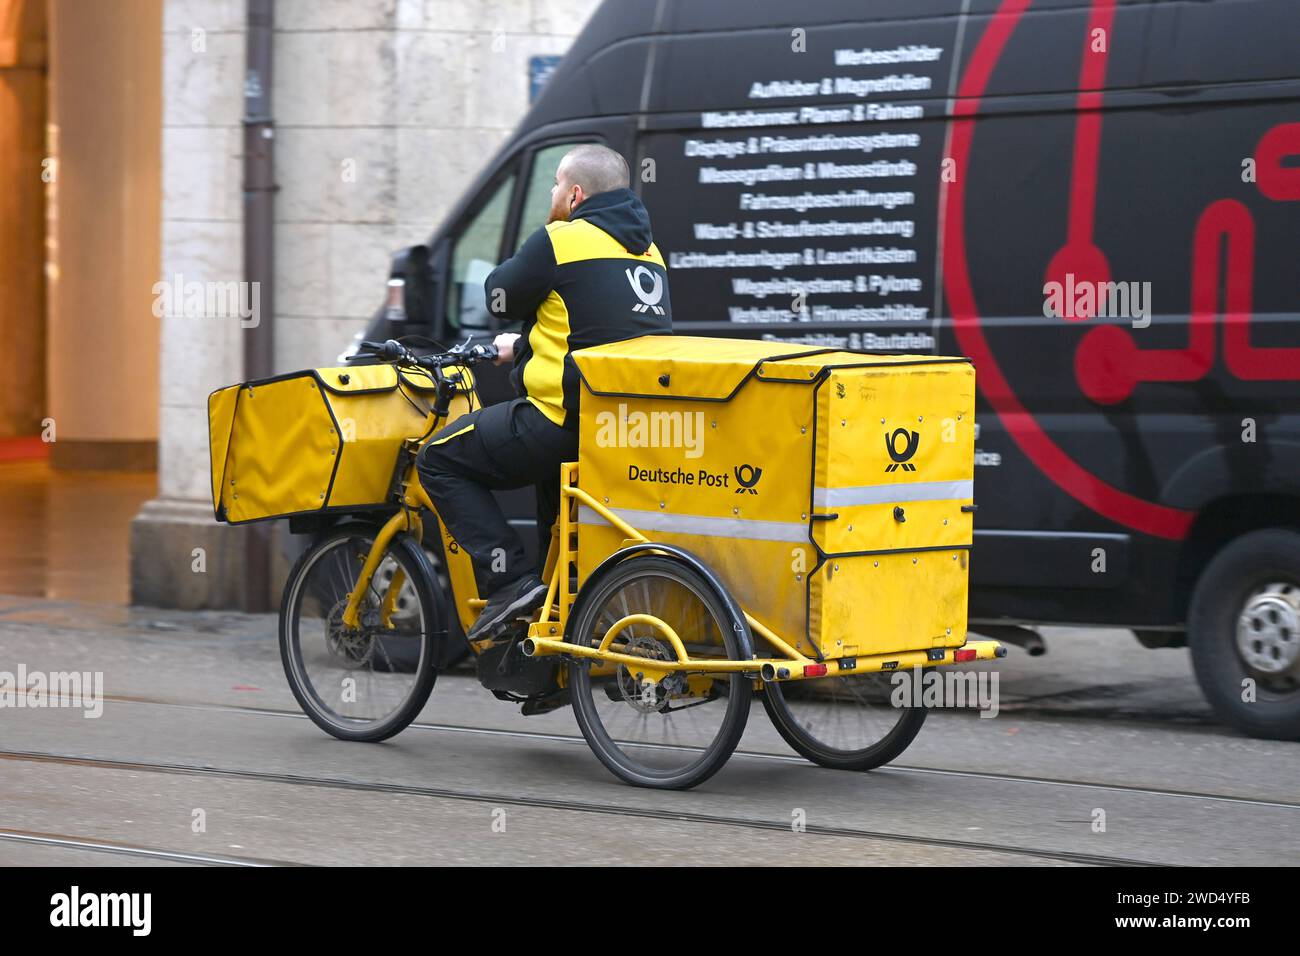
<point x="746" y="528"/>
<point x="890" y="494"/>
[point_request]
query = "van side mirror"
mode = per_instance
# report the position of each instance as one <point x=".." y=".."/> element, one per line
<point x="475" y="316"/>
<point x="417" y="288"/>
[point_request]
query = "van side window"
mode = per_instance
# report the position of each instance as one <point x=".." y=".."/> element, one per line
<point x="474" y="256"/>
<point x="537" y="197"/>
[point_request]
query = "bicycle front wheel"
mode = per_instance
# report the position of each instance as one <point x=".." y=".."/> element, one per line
<point x="366" y="682"/>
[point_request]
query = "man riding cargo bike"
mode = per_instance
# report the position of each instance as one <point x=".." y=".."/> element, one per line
<point x="719" y="518"/>
<point x="582" y="279"/>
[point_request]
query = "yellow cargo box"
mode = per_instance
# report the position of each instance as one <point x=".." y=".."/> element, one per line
<point x="830" y="490"/>
<point x="322" y="439"/>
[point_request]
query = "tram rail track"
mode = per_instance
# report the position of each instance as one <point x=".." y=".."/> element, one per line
<point x="893" y="768"/>
<point x="553" y="803"/>
<point x="118" y="848"/>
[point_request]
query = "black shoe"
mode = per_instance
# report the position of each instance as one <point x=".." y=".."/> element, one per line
<point x="518" y="598"/>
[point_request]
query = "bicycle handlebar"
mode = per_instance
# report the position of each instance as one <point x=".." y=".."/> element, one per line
<point x="398" y="354"/>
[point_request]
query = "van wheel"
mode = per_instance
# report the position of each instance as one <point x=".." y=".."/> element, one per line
<point x="1244" y="626"/>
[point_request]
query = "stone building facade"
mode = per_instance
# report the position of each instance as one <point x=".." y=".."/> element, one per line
<point x="383" y="110"/>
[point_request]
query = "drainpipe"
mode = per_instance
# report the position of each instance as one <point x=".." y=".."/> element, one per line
<point x="259" y="258"/>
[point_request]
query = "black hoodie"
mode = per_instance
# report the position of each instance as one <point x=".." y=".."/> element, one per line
<point x="597" y="278"/>
<point x="620" y="213"/>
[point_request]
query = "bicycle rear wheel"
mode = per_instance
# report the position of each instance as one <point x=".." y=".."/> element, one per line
<point x="369" y="682"/>
<point x="668" y="731"/>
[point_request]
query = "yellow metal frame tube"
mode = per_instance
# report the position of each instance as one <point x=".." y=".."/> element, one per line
<point x="876" y="663"/>
<point x="615" y="520"/>
<point x="781" y="646"/>
<point x="398" y="522"/>
<point x="661" y="626"/>
<point x="407" y="519"/>
<point x="390" y="598"/>
<point x="551" y="588"/>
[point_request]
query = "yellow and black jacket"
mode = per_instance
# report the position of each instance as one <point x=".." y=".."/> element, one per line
<point x="597" y="278"/>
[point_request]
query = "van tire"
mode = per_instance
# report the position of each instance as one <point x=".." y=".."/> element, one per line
<point x="1234" y="577"/>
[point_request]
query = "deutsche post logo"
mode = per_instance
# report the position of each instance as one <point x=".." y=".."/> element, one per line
<point x="911" y="440"/>
<point x="649" y="297"/>
<point x="747" y="477"/>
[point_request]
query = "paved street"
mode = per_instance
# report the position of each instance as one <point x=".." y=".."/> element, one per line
<point x="198" y="717"/>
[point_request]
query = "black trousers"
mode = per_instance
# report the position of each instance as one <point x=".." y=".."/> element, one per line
<point x="509" y="445"/>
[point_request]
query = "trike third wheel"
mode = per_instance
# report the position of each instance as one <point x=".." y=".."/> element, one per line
<point x="845" y="723"/>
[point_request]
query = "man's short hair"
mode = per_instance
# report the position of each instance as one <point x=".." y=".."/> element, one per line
<point x="597" y="169"/>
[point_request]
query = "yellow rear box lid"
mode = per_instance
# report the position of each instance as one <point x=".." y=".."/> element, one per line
<point x="712" y="369"/>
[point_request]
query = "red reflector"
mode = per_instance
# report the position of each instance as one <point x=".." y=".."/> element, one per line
<point x="961" y="657"/>
<point x="814" y="670"/>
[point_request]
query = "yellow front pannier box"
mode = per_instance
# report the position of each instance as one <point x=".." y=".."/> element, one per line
<point x="317" y="440"/>
<point x="830" y="490"/>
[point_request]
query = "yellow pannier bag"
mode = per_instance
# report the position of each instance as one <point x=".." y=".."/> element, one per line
<point x="323" y="439"/>
<point x="830" y="490"/>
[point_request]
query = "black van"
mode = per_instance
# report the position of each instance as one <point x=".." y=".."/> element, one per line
<point x="1098" y="202"/>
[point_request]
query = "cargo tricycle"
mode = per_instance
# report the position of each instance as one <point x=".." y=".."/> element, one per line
<point x="744" y="519"/>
